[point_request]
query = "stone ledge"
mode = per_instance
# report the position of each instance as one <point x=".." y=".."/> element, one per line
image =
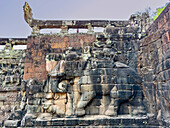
<point x="122" y="120"/>
<point x="12" y="123"/>
<point x="10" y="89"/>
<point x="96" y="127"/>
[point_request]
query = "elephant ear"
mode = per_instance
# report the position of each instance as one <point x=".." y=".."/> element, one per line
<point x="120" y="65"/>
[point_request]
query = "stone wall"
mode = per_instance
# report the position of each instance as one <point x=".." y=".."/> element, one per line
<point x="39" y="46"/>
<point x="8" y="100"/>
<point x="154" y="66"/>
<point x="11" y="75"/>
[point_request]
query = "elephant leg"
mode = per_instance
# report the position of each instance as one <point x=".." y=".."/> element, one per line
<point x="76" y="94"/>
<point x="114" y="104"/>
<point x="113" y="107"/>
<point x="69" y="111"/>
<point x="138" y="107"/>
<point x="86" y="97"/>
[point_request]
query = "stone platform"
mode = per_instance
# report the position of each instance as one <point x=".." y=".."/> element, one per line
<point x="90" y="121"/>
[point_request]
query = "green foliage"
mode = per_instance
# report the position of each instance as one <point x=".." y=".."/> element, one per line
<point x="158" y="12"/>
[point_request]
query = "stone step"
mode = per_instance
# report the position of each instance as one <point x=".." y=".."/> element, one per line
<point x="121" y="121"/>
<point x="98" y="127"/>
<point x="124" y="121"/>
<point x="12" y="123"/>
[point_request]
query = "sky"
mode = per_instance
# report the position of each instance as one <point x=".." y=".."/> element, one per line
<point x="13" y="25"/>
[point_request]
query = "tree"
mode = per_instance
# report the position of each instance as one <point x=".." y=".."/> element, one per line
<point x="158" y="11"/>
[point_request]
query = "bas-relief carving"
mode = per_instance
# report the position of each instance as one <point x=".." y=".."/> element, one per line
<point x="82" y="74"/>
<point x="88" y="80"/>
<point x="11" y="66"/>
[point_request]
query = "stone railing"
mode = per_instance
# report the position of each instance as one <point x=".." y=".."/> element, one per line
<point x="142" y="21"/>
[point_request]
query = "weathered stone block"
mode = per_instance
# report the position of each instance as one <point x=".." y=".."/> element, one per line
<point x="39" y="95"/>
<point x="3" y="98"/>
<point x="60" y="102"/>
<point x="58" y="122"/>
<point x="92" y="110"/>
<point x="74" y="122"/>
<point x="49" y="95"/>
<point x="60" y="96"/>
<point x="12" y="123"/>
<point x="85" y="88"/>
<point x="35" y="102"/>
<point x="50" y="65"/>
<point x="35" y="89"/>
<point x="33" y="109"/>
<point x="16" y="116"/>
<point x="58" y="109"/>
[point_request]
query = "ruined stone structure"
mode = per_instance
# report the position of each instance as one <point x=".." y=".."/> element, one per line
<point x="11" y="72"/>
<point x="115" y="78"/>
